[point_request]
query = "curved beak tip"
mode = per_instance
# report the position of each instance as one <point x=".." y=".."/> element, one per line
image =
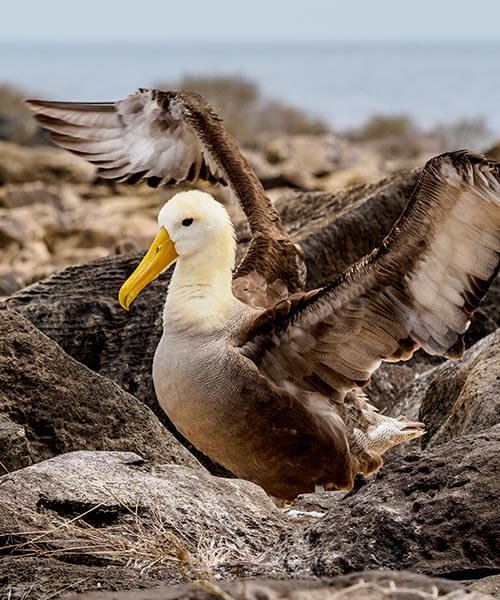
<point x="122" y="299"/>
<point x="125" y="298"/>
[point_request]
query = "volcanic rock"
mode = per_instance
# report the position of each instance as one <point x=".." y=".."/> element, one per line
<point x="366" y="585"/>
<point x="434" y="511"/>
<point x="462" y="397"/>
<point x="113" y="519"/>
<point x="50" y="404"/>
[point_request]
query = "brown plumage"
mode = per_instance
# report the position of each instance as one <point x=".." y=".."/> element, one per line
<point x="418" y="289"/>
<point x="274" y="394"/>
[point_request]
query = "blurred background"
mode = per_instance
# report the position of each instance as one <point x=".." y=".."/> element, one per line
<point x="320" y="94"/>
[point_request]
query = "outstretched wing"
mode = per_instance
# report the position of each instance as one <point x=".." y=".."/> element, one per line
<point x="150" y="135"/>
<point x="168" y="137"/>
<point x="419" y="288"/>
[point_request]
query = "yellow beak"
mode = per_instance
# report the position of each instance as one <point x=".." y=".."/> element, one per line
<point x="160" y="255"/>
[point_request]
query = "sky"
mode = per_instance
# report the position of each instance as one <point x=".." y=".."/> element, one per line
<point x="249" y="20"/>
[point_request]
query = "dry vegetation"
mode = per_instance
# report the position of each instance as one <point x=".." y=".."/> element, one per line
<point x="398" y="136"/>
<point x="140" y="542"/>
<point x="16" y="122"/>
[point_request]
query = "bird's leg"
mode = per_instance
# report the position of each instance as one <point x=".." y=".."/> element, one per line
<point x="387" y="432"/>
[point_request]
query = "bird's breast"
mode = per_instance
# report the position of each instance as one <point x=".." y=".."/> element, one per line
<point x="196" y="385"/>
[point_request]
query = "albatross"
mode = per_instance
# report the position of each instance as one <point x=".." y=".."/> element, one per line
<point x="274" y="393"/>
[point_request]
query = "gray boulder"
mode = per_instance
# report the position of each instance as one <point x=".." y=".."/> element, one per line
<point x="433" y="511"/>
<point x="134" y="523"/>
<point x="462" y="397"/>
<point x="50" y="404"/>
<point x="14" y="445"/>
<point x="366" y="585"/>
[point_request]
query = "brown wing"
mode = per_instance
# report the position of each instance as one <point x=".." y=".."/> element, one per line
<point x="167" y="137"/>
<point x="145" y="136"/>
<point x="419" y="288"/>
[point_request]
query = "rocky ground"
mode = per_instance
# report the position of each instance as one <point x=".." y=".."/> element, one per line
<point x="101" y="496"/>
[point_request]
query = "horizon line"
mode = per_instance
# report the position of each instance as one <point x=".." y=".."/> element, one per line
<point x="215" y="42"/>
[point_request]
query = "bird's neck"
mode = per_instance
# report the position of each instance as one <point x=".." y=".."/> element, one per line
<point x="200" y="292"/>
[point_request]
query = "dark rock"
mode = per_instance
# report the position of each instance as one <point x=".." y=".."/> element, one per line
<point x="388" y="388"/>
<point x="9" y="284"/>
<point x="434" y="511"/>
<point x="366" y="585"/>
<point x="133" y="522"/>
<point x="452" y="398"/>
<point x="64" y="406"/>
<point x="14" y="446"/>
<point x="462" y="397"/>
<point x="336" y="230"/>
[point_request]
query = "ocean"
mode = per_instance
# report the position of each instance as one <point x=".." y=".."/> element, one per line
<point x="344" y="83"/>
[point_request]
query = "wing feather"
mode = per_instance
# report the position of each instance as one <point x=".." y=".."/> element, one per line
<point x="145" y="136"/>
<point x="419" y="288"/>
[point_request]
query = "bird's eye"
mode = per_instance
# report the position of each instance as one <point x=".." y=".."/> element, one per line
<point x="187" y="222"/>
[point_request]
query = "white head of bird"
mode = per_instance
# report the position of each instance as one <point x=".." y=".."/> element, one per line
<point x="195" y="231"/>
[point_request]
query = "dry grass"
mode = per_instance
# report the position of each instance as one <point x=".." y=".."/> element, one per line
<point x="381" y="127"/>
<point x="398" y="136"/>
<point x="145" y="543"/>
<point x="377" y="591"/>
<point x="141" y="542"/>
<point x="472" y="133"/>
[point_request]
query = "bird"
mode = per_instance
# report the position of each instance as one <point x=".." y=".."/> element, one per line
<point x="275" y="393"/>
